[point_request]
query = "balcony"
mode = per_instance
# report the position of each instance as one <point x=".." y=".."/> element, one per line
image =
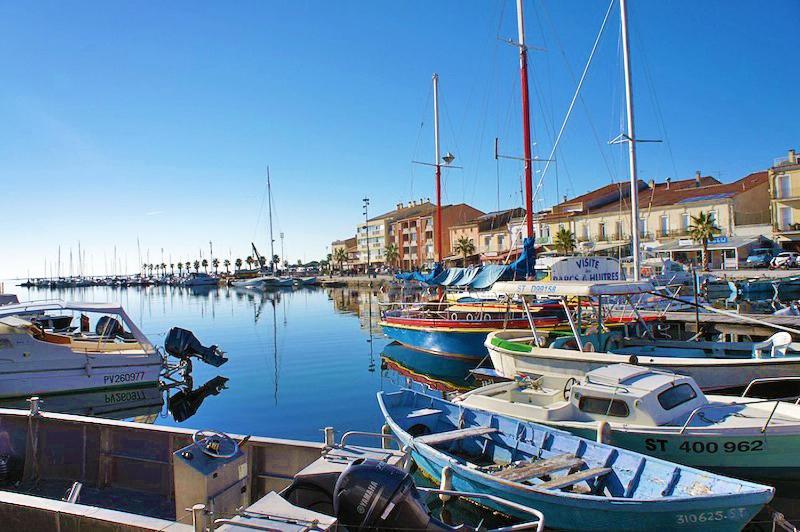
<point x="787" y="228"/>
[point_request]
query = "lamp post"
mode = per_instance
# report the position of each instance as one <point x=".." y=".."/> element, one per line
<point x="366" y="230"/>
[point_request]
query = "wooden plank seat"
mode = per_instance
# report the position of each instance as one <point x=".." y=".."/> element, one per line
<point x="574" y="478"/>
<point x="453" y="435"/>
<point x="539" y="468"/>
<point x="423" y="412"/>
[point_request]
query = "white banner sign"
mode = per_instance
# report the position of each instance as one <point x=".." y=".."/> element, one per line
<point x="586" y="269"/>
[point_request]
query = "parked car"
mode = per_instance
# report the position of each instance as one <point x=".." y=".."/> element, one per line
<point x="785" y="259"/>
<point x="760" y="258"/>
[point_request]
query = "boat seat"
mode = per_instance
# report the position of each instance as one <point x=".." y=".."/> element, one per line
<point x="574" y="478"/>
<point x="540" y="468"/>
<point x="778" y="343"/>
<point x="422" y="412"/>
<point x="453" y="435"/>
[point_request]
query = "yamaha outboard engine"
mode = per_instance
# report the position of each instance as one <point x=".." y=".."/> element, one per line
<point x="183" y="344"/>
<point x="373" y="495"/>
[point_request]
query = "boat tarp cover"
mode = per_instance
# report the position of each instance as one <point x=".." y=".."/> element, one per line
<point x="481" y="277"/>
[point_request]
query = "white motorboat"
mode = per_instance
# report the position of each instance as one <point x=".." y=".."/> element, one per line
<point x="200" y="279"/>
<point x="39" y="360"/>
<point x="713" y="365"/>
<point x="253" y="282"/>
<point x="657" y="413"/>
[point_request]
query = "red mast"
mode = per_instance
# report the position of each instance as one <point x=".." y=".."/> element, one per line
<point x="439" y="256"/>
<point x="526" y="120"/>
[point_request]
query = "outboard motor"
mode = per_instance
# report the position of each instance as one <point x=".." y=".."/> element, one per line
<point x="373" y="495"/>
<point x="183" y="344"/>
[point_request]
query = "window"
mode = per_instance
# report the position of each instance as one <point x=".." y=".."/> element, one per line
<point x="601" y="231"/>
<point x="603" y="406"/>
<point x="664" y="225"/>
<point x="786" y="217"/>
<point x="487" y="242"/>
<point x="585" y="231"/>
<point x="712" y="215"/>
<point x="676" y="396"/>
<point x="500" y="242"/>
<point x="618" y="229"/>
<point x="686" y="220"/>
<point x="642" y="226"/>
<point x="784" y="186"/>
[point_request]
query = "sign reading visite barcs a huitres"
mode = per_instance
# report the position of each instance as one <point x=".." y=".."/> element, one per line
<point x="587" y="269"/>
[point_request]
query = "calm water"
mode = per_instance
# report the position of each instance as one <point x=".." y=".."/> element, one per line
<point x="299" y="360"/>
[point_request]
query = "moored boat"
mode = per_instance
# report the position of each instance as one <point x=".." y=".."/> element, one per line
<point x="577" y="483"/>
<point x="659" y="414"/>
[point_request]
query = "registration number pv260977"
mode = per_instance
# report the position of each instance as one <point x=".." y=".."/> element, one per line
<point x="124" y="378"/>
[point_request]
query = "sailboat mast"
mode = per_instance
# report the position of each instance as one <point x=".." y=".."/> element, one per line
<point x="271" y="239"/>
<point x="631" y="139"/>
<point x="526" y="119"/>
<point x="439" y="255"/>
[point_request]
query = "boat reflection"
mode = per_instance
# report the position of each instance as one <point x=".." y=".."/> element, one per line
<point x="186" y="401"/>
<point x="433" y="372"/>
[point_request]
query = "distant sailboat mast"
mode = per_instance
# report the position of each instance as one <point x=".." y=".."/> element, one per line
<point x="271" y="239"/>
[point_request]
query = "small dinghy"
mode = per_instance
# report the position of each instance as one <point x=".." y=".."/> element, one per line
<point x="578" y="484"/>
<point x="660" y="414"/>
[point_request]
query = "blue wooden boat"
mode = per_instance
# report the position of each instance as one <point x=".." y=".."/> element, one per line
<point x="578" y="484"/>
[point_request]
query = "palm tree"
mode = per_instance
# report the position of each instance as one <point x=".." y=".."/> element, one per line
<point x="702" y="230"/>
<point x="227" y="264"/>
<point x="215" y="264"/>
<point x="150" y="269"/>
<point x="188" y="266"/>
<point x="144" y="268"/>
<point x="238" y="264"/>
<point x="564" y="241"/>
<point x="340" y="256"/>
<point x="163" y="268"/>
<point x="391" y="254"/>
<point x="197" y="265"/>
<point x="205" y="265"/>
<point x="172" y="268"/>
<point x="262" y="261"/>
<point x="180" y="268"/>
<point x="249" y="260"/>
<point x="465" y="246"/>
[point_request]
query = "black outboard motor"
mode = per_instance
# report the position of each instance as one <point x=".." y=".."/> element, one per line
<point x="373" y="495"/>
<point x="183" y="344"/>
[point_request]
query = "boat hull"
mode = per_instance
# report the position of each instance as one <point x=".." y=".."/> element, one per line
<point x="725" y="511"/>
<point x="465" y="345"/>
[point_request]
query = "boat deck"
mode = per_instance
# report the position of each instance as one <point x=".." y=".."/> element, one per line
<point x="723" y="323"/>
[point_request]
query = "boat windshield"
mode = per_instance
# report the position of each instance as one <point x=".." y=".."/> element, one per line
<point x="676" y="396"/>
<point x="603" y="406"/>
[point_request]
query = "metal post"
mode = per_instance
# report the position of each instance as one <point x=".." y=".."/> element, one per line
<point x="526" y="119"/>
<point x="366" y="230"/>
<point x="199" y="517"/>
<point x="626" y="56"/>
<point x="438" y="228"/>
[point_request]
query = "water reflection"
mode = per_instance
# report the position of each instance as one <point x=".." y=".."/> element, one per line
<point x="405" y="366"/>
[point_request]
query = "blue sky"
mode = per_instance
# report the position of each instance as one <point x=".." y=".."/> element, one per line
<point x="125" y="120"/>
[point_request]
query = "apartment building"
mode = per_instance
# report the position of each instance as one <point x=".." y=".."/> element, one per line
<point x="415" y="233"/>
<point x="784" y="194"/>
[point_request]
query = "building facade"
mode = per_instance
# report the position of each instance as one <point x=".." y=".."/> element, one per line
<point x="784" y="194"/>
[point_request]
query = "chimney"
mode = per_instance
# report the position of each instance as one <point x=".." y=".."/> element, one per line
<point x="697" y="179"/>
<point x="565" y="198"/>
<point x="399" y="206"/>
<point x="651" y="183"/>
<point x="792" y="157"/>
<point x="669" y="181"/>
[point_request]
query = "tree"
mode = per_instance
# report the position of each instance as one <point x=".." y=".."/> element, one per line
<point x="188" y="266"/>
<point x="205" y="265"/>
<point x="262" y="261"/>
<point x="144" y="268"/>
<point x="215" y="264"/>
<point x="172" y="268"/>
<point x="180" y="268"/>
<point x="465" y="246"/>
<point x="391" y="254"/>
<point x="702" y="230"/>
<point x="564" y="241"/>
<point x="150" y="269"/>
<point x="276" y="260"/>
<point x="163" y="268"/>
<point x="299" y="262"/>
<point x="227" y="264"/>
<point x="238" y="263"/>
<point x="197" y="265"/>
<point x="340" y="256"/>
<point x="249" y="260"/>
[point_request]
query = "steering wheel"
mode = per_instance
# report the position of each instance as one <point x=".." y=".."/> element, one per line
<point x="214" y="443"/>
<point x="568" y="387"/>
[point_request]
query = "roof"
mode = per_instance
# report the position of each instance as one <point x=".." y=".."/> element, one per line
<point x="572" y="288"/>
<point x="680" y="193"/>
<point x="498" y="219"/>
<point x="405" y="212"/>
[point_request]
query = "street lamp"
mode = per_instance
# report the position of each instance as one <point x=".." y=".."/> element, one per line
<point x="366" y="230"/>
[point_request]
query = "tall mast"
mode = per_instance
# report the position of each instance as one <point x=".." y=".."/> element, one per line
<point x="439" y="255"/>
<point x="631" y="139"/>
<point x="526" y="119"/>
<point x="271" y="239"/>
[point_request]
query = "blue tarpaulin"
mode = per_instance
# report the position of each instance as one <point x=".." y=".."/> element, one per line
<point x="480" y="277"/>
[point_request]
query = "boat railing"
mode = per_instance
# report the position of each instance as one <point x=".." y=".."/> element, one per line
<point x="699" y="409"/>
<point x="536" y="524"/>
<point x="768" y="380"/>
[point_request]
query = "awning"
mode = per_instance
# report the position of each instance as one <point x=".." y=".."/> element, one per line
<point x="719" y="243"/>
<point x="572" y="288"/>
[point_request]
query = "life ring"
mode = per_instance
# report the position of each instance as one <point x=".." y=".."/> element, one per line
<point x="588" y="347"/>
<point x="470" y="317"/>
<point x="486" y="317"/>
<point x="453" y="316"/>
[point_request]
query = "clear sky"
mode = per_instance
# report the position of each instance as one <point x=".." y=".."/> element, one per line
<point x="156" y="120"/>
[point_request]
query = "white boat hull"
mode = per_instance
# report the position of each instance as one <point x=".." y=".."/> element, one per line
<point x="709" y="373"/>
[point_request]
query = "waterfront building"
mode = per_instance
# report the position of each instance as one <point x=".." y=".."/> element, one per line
<point x="376" y="233"/>
<point x="784" y="193"/>
<point x="414" y="232"/>
<point x="600" y="220"/>
<point x="495" y="237"/>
